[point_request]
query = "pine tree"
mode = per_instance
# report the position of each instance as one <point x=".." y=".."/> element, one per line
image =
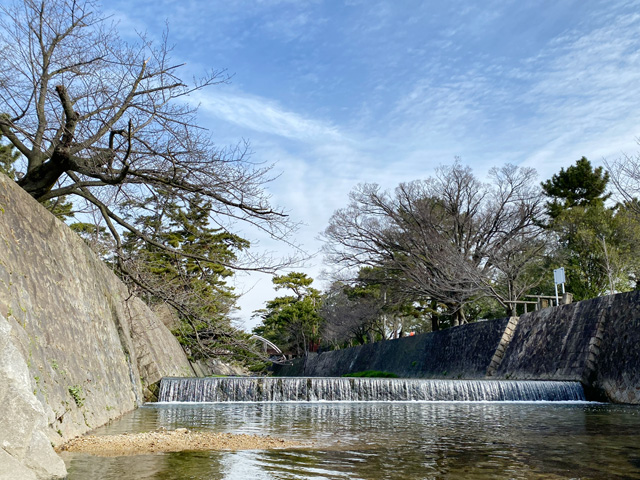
<point x="579" y="185"/>
<point x="9" y="155"/>
<point x="598" y="244"/>
<point x="292" y="322"/>
<point x="196" y="290"/>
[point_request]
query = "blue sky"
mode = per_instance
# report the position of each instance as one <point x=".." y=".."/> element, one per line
<point x="341" y="92"/>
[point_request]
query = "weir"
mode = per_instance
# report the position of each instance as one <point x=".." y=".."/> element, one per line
<point x="314" y="389"/>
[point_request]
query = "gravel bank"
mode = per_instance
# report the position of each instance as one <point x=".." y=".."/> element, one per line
<point x="170" y="441"/>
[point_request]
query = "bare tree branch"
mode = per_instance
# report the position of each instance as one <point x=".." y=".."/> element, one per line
<point x="73" y="137"/>
<point x="449" y="238"/>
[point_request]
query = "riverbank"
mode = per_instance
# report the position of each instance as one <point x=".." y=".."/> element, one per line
<point x="177" y="440"/>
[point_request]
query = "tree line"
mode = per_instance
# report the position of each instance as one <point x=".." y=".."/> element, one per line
<point x="454" y="248"/>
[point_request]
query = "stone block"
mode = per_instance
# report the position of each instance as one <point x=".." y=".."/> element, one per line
<point x="12" y="469"/>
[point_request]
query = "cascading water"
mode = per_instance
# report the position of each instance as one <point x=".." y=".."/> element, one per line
<point x="313" y="389"/>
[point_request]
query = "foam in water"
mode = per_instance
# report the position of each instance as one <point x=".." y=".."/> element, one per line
<point x="313" y="389"/>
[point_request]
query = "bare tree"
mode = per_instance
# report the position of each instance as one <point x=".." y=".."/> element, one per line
<point x="516" y="242"/>
<point x="107" y="122"/>
<point x="625" y="175"/>
<point x="447" y="238"/>
<point x="348" y="320"/>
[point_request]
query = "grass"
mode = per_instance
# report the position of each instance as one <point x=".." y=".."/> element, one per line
<point x="76" y="394"/>
<point x="372" y="374"/>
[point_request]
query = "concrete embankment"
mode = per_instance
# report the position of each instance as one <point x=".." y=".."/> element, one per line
<point x="594" y="342"/>
<point x="77" y="350"/>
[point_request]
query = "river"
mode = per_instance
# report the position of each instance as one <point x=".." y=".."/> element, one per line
<point x="387" y="440"/>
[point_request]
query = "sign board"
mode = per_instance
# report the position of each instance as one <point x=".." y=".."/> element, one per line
<point x="558" y="275"/>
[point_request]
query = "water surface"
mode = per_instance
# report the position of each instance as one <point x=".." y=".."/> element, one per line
<point x="384" y="440"/>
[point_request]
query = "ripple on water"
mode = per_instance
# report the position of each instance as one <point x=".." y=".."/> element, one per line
<point x="388" y="441"/>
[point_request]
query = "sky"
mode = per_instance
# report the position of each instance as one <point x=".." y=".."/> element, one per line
<point x="336" y="93"/>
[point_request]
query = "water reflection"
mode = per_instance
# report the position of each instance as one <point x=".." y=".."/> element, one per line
<point x="389" y="441"/>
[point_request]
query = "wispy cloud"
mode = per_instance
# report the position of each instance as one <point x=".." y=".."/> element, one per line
<point x="586" y="86"/>
<point x="576" y="94"/>
<point x="266" y="116"/>
<point x="381" y="91"/>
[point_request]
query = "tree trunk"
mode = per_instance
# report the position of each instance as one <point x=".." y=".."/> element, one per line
<point x="39" y="181"/>
<point x="435" y="323"/>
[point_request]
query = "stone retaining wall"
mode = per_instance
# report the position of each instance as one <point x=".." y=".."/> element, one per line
<point x="595" y="342"/>
<point x="462" y="352"/>
<point x="89" y="348"/>
<point x="617" y="371"/>
<point x="553" y="343"/>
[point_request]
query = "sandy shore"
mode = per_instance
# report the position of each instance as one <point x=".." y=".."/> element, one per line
<point x="170" y="441"/>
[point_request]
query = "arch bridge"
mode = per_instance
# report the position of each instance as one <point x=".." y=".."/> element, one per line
<point x="273" y="346"/>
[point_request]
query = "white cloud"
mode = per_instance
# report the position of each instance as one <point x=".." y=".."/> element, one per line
<point x="406" y="105"/>
<point x="265" y="116"/>
<point x="576" y="96"/>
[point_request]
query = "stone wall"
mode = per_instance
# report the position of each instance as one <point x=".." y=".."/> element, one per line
<point x="503" y="344"/>
<point x="594" y="342"/>
<point x="462" y="352"/>
<point x="617" y="371"/>
<point x="553" y="343"/>
<point x="89" y="347"/>
<point x="26" y="452"/>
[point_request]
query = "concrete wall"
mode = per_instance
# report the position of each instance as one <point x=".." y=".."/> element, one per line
<point x="594" y="342"/>
<point x="90" y="349"/>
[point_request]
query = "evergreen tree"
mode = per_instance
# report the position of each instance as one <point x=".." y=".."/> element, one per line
<point x="9" y="155"/>
<point x="197" y="290"/>
<point x="579" y="185"/>
<point x="97" y="238"/>
<point x="598" y="245"/>
<point x="600" y="249"/>
<point x="398" y="311"/>
<point x="292" y="322"/>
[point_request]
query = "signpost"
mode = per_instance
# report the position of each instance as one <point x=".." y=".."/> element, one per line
<point x="558" y="277"/>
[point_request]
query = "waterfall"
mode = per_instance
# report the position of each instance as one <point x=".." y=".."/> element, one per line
<point x="314" y="389"/>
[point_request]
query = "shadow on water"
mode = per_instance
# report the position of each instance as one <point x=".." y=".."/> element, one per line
<point x="388" y="441"/>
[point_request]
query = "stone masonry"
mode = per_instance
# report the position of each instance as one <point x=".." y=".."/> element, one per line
<point x="594" y="342"/>
<point x="89" y="349"/>
<point x="505" y="340"/>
